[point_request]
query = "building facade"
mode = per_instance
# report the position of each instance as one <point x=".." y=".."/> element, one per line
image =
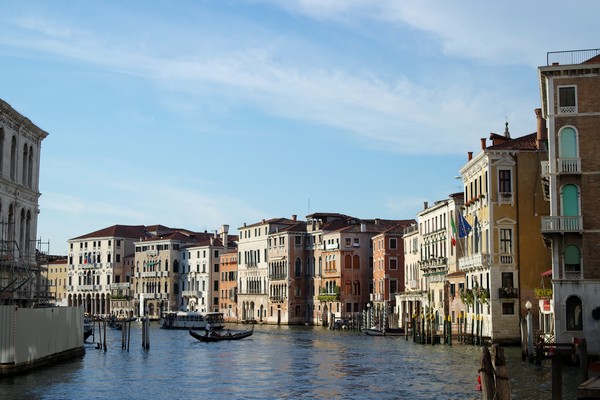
<point x="20" y="148"/>
<point x="570" y="97"/>
<point x="253" y="267"/>
<point x="200" y="273"/>
<point x="388" y="271"/>
<point x="158" y="269"/>
<point x="97" y="267"/>
<point x="228" y="286"/>
<point x="503" y="258"/>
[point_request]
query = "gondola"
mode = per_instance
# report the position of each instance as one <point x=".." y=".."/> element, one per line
<point x="214" y="336"/>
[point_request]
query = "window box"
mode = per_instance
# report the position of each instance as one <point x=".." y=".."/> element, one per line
<point x="508" y="293"/>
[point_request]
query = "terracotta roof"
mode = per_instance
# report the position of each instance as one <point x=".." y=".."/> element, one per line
<point x="527" y="142"/>
<point x="272" y="221"/>
<point x="124" y="231"/>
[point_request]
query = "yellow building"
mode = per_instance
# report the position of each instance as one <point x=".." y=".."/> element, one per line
<point x="499" y="232"/>
<point x="57" y="275"/>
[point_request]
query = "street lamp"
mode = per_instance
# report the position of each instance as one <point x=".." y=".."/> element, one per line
<point x="529" y="332"/>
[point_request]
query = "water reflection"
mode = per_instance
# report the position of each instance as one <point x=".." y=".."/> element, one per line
<point x="277" y="362"/>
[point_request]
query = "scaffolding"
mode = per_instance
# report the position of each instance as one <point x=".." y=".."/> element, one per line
<point x="21" y="280"/>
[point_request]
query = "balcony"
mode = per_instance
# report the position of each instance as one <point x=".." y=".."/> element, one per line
<point x="508" y="293"/>
<point x="478" y="260"/>
<point x="505" y="198"/>
<point x="119" y="286"/>
<point x="569" y="165"/>
<point x="326" y="296"/>
<point x="506" y="259"/>
<point x="151" y="274"/>
<point x="192" y="293"/>
<point x="552" y="224"/>
<point x="89" y="288"/>
<point x="545" y="169"/>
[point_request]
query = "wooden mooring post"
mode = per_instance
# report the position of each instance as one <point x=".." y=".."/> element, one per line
<point x="495" y="384"/>
<point x="146" y="334"/>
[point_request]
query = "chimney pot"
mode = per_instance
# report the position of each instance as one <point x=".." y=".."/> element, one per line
<point x="470" y="154"/>
<point x="482" y="143"/>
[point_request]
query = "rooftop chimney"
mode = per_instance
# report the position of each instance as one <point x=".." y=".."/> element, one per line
<point x="294" y="217"/>
<point x="470" y="155"/>
<point x="542" y="132"/>
<point x="482" y="143"/>
<point x="224" y="235"/>
<point x="425" y="205"/>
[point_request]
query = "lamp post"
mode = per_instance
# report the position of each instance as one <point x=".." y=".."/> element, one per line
<point x="529" y="332"/>
<point x="368" y="316"/>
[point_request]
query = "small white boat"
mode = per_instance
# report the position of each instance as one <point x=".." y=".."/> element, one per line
<point x="383" y="332"/>
<point x="190" y="320"/>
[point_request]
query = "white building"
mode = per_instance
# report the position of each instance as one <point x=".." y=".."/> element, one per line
<point x="20" y="147"/>
<point x="96" y="266"/>
<point x="200" y="272"/>
<point x="253" y="264"/>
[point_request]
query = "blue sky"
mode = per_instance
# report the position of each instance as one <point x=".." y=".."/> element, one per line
<point x="201" y="113"/>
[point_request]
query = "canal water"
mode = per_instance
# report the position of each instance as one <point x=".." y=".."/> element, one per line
<point x="277" y="363"/>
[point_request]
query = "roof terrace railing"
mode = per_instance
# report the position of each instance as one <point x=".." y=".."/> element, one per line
<point x="571" y="57"/>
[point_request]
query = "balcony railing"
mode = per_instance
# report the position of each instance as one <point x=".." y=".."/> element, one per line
<point x="478" y="260"/>
<point x="191" y="293"/>
<point x="545" y="169"/>
<point x="505" y="198"/>
<point x="552" y="224"/>
<point x="571" y="57"/>
<point x="89" y="288"/>
<point x="118" y="286"/>
<point x="508" y="293"/>
<point x="413" y="284"/>
<point x="506" y="258"/>
<point x="569" y="165"/>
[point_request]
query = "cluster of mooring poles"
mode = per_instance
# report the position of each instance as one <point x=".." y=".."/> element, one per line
<point x="124" y="326"/>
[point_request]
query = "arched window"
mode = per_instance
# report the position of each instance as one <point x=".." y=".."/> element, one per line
<point x="30" y="168"/>
<point x="24" y="171"/>
<point x="357" y="288"/>
<point x="1" y="150"/>
<point x="13" y="159"/>
<point x="568" y="151"/>
<point x="574" y="314"/>
<point x="298" y="268"/>
<point x="348" y="261"/>
<point x="572" y="261"/>
<point x="356" y="262"/>
<point x="570" y="207"/>
<point x="348" y="287"/>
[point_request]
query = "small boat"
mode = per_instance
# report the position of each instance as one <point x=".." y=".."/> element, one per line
<point x="190" y="320"/>
<point x="115" y="324"/>
<point x="212" y="336"/>
<point x="383" y="332"/>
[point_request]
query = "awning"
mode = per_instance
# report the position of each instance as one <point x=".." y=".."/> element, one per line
<point x="547" y="273"/>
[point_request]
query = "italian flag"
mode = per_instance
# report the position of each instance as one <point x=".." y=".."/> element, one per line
<point x="453" y="230"/>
